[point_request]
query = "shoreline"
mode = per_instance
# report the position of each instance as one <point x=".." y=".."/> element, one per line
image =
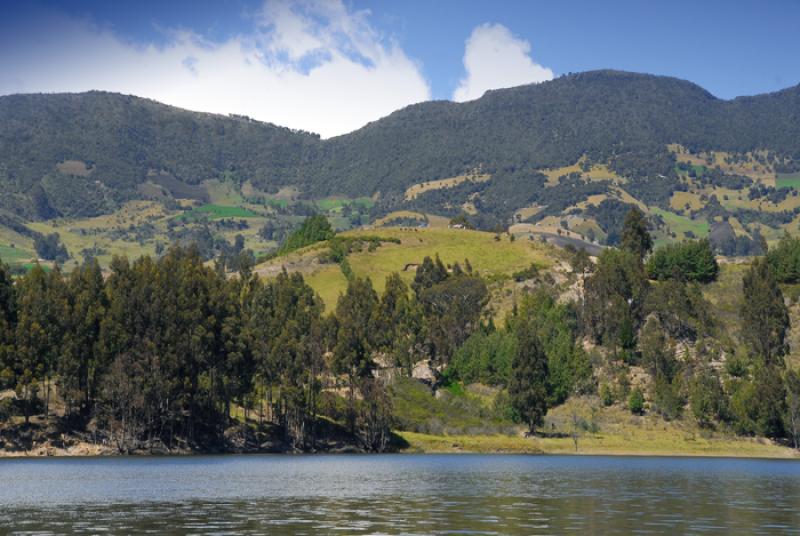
<point x="420" y="444"/>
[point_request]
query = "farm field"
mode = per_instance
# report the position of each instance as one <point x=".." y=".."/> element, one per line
<point x="682" y="224"/>
<point x="214" y="211"/>
<point x="788" y="180"/>
<point x="15" y="255"/>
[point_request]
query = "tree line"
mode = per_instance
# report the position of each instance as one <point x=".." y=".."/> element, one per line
<point x="166" y="351"/>
<point x="172" y="351"/>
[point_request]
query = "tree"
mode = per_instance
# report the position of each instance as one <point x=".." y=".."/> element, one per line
<point x="42" y="310"/>
<point x="569" y="370"/>
<point x="636" y="402"/>
<point x="398" y="322"/>
<point x="691" y="260"/>
<point x="527" y="387"/>
<point x="706" y="397"/>
<point x="375" y="417"/>
<point x="80" y="362"/>
<point x="8" y="320"/>
<point x="614" y="298"/>
<point x="635" y="237"/>
<point x="314" y="229"/>
<point x="429" y="273"/>
<point x="759" y="404"/>
<point x="452" y="311"/>
<point x="785" y="259"/>
<point x="355" y="337"/>
<point x="49" y="247"/>
<point x="763" y="314"/>
<point x="792" y="381"/>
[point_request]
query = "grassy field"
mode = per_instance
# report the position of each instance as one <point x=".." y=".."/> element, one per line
<point x="597" y="172"/>
<point x="485" y="254"/>
<point x="333" y="204"/>
<point x="679" y="201"/>
<point x="223" y="192"/>
<point x="15" y="255"/>
<point x="639" y="444"/>
<point x="681" y="224"/>
<point x="433" y="220"/>
<point x="214" y="212"/>
<point x="788" y="180"/>
<point x="492" y="258"/>
<point x="418" y="189"/>
<point x="617" y="432"/>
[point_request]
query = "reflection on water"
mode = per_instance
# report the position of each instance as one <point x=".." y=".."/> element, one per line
<point x="448" y="494"/>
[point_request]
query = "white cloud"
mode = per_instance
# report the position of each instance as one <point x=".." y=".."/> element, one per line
<point x="315" y="66"/>
<point x="494" y="58"/>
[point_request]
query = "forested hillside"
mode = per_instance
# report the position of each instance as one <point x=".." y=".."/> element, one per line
<point x="172" y="355"/>
<point x="566" y="159"/>
<point x="627" y="119"/>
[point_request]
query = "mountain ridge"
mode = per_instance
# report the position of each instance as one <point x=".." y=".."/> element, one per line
<point x="618" y="118"/>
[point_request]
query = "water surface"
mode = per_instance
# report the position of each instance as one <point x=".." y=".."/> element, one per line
<point x="399" y="494"/>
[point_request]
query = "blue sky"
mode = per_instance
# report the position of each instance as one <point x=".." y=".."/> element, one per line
<point x="331" y="66"/>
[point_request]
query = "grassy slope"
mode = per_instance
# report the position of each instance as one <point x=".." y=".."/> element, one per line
<point x="490" y="257"/>
<point x="15" y="255"/>
<point x="617" y="432"/>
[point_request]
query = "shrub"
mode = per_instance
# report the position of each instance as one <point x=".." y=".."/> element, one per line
<point x="691" y="260"/>
<point x="636" y="402"/>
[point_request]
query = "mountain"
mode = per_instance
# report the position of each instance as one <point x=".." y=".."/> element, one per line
<point x="515" y="155"/>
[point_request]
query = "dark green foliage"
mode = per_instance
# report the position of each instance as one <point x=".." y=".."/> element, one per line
<point x="429" y="273"/>
<point x="485" y="357"/>
<point x="49" y="247"/>
<point x="398" y="323"/>
<point x="8" y="321"/>
<point x="792" y="419"/>
<point x="614" y="298"/>
<point x="606" y="115"/>
<point x="681" y="309"/>
<point x="452" y="304"/>
<point x="356" y="336"/>
<point x="636" y="402"/>
<point x="569" y="371"/>
<point x="314" y="229"/>
<point x="764" y="316"/>
<point x="691" y="260"/>
<point x="759" y="405"/>
<point x="635" y="237"/>
<point x="784" y="260"/>
<point x="529" y="379"/>
<point x="706" y="398"/>
<point x="610" y="215"/>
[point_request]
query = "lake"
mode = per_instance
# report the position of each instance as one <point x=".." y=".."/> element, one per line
<point x="399" y="494"/>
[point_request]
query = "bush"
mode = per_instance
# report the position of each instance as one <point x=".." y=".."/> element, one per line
<point x="484" y="357"/>
<point x="50" y="248"/>
<point x="636" y="402"/>
<point x="784" y="259"/>
<point x="314" y="229"/>
<point x="706" y="398"/>
<point x="606" y="395"/>
<point x="691" y="260"/>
